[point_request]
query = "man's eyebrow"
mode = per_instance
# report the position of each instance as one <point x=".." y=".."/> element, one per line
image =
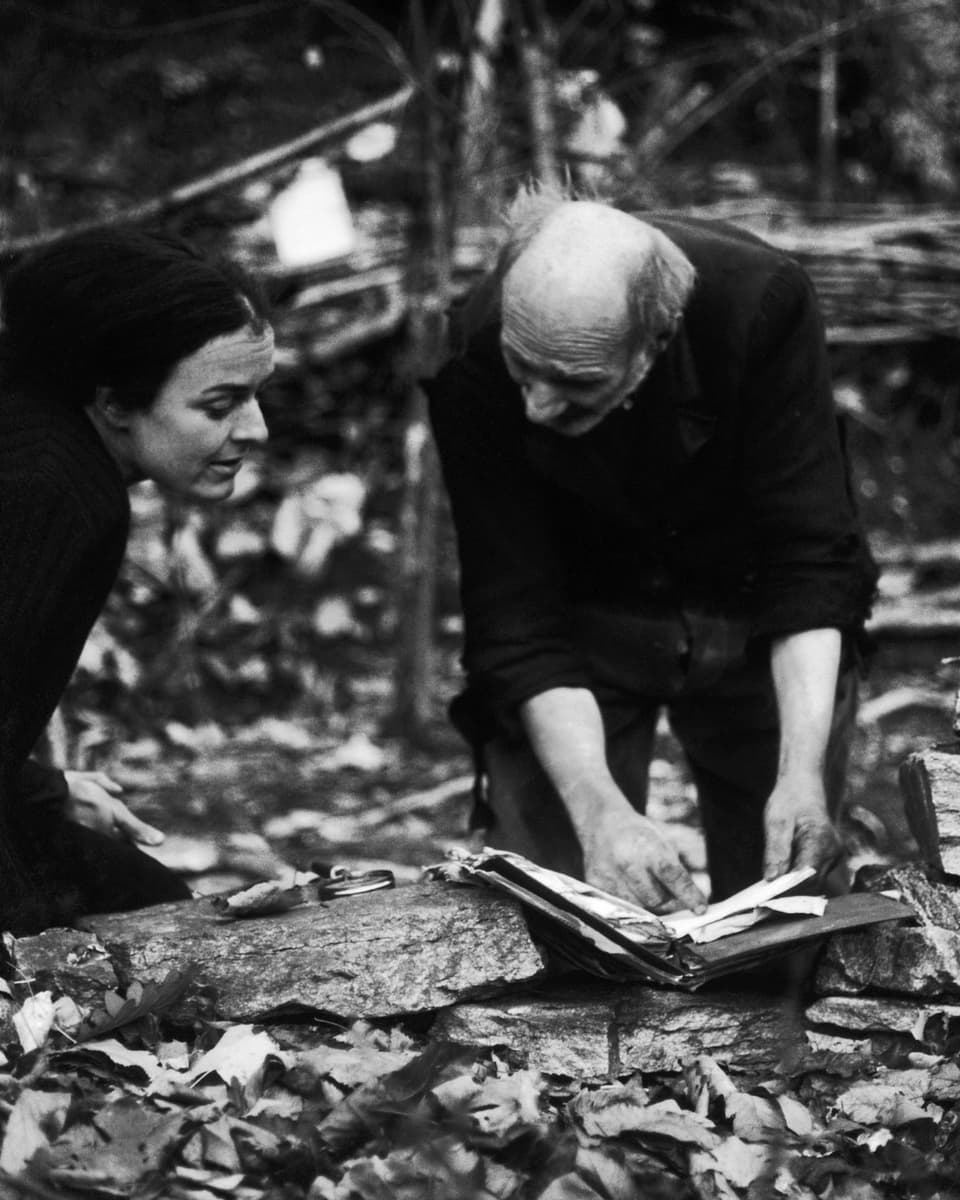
<point x="555" y="374"/>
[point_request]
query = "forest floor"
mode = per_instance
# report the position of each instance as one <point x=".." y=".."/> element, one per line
<point x="242" y="805"/>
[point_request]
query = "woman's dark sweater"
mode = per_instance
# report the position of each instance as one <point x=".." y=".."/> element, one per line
<point x="64" y="519"/>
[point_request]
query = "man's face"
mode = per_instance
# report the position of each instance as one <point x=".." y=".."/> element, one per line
<point x="193" y="439"/>
<point x="570" y="391"/>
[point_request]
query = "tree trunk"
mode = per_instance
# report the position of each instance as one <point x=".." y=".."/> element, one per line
<point x="536" y="59"/>
<point x="478" y="191"/>
<point x="430" y="273"/>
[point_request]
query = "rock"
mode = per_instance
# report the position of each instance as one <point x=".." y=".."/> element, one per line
<point x="564" y="1031"/>
<point x="901" y="959"/>
<point x="904" y="961"/>
<point x="593" y="1029"/>
<point x="936" y="904"/>
<point x="410" y="949"/>
<point x="926" y="1023"/>
<point x="659" y="1029"/>
<point x="66" y="962"/>
<point x="930" y="783"/>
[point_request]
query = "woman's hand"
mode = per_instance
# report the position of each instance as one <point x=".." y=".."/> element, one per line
<point x="94" y="803"/>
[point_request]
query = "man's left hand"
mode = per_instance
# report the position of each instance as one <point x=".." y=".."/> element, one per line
<point x="798" y="830"/>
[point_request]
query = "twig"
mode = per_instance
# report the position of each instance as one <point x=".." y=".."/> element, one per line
<point x="248" y="168"/>
<point x="431" y="798"/>
<point x="323" y="350"/>
<point x="323" y="293"/>
<point x="898" y="699"/>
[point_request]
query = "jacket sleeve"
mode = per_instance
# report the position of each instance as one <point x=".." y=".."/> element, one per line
<point x="815" y="568"/>
<point x="517" y="641"/>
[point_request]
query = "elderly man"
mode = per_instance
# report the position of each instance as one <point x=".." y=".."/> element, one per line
<point x="638" y="438"/>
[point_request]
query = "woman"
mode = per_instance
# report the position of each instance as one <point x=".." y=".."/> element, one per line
<point x="124" y="356"/>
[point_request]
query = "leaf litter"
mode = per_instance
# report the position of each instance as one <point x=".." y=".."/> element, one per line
<point x="121" y="1104"/>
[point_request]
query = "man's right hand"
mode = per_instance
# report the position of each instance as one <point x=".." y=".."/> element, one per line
<point x="627" y="854"/>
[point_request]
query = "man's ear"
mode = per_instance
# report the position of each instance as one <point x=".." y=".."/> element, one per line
<point x="109" y="409"/>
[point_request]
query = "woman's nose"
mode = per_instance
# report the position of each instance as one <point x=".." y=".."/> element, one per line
<point x="250" y="426"/>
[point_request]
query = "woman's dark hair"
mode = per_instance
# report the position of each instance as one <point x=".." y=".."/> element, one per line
<point x="119" y="308"/>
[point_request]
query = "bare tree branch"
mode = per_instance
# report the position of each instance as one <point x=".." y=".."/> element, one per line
<point x="828" y="32"/>
<point x="236" y="173"/>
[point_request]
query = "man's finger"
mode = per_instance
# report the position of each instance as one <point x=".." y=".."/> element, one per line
<point x="817" y="846"/>
<point x="678" y="882"/>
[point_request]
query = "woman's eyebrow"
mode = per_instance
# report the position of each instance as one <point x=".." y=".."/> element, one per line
<point x="236" y="389"/>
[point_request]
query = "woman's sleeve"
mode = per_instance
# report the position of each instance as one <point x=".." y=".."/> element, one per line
<point x="42" y="555"/>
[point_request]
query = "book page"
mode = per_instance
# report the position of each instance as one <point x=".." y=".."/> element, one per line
<point x="746" y="904"/>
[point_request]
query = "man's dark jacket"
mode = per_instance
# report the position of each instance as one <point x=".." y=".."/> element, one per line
<point x="723" y="487"/>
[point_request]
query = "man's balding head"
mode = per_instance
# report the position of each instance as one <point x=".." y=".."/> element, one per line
<point x="589" y="297"/>
<point x="576" y="275"/>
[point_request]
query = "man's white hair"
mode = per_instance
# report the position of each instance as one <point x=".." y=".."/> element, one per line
<point x="662" y="286"/>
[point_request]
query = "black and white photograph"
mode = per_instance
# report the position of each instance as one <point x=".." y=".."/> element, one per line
<point x="479" y="600"/>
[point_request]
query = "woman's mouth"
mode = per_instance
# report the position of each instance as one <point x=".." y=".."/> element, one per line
<point x="226" y="466"/>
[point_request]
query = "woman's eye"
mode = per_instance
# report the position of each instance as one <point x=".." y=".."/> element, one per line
<point x="220" y="408"/>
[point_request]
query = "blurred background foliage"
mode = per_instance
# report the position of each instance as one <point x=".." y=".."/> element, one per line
<point x="326" y="591"/>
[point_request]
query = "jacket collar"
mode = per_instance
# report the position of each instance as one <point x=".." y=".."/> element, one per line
<point x="676" y="385"/>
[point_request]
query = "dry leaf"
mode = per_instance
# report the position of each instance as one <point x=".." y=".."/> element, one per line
<point x="240" y="1055"/>
<point x="263" y="899"/>
<point x="570" y="1187"/>
<point x="797" y="1116"/>
<point x="349" y="1067"/>
<point x="617" y="1183"/>
<point x="742" y="1163"/>
<point x="879" y="1104"/>
<point x="755" y="1118"/>
<point x="664" y="1119"/>
<point x="34" y="1020"/>
<point x="124" y="1142"/>
<point x="497" y="1105"/>
<point x="34" y="1121"/>
<point x="875" y="1139"/>
<point x="117" y="1053"/>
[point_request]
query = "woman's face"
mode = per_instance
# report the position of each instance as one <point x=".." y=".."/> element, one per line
<point x="194" y="437"/>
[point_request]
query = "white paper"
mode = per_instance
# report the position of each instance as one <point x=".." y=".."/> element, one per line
<point x="757" y="895"/>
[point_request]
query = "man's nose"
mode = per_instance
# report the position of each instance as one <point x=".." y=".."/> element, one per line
<point x="250" y="425"/>
<point x="541" y="402"/>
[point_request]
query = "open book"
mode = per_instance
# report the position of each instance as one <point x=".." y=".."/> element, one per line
<point x="600" y="933"/>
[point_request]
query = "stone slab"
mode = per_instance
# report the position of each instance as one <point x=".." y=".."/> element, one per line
<point x="925" y="1023"/>
<point x="902" y="959"/>
<point x="930" y="784"/>
<point x="411" y="949"/>
<point x="906" y="961"/>
<point x="66" y="962"/>
<point x="594" y="1029"/>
